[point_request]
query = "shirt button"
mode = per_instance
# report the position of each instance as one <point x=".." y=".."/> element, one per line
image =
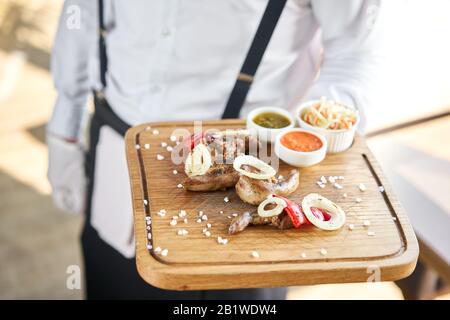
<point x="166" y="32"/>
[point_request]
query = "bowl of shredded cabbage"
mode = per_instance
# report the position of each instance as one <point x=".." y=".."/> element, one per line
<point x="334" y="120"/>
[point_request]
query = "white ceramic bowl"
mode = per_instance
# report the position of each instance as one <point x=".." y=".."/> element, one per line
<point x="338" y="140"/>
<point x="298" y="158"/>
<point x="268" y="134"/>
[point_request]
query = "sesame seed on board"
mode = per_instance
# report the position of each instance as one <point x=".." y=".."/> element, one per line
<point x="255" y="254"/>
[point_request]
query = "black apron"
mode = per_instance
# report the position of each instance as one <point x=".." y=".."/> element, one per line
<point x="108" y="274"/>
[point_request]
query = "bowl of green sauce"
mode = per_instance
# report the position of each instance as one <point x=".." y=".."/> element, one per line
<point x="268" y="122"/>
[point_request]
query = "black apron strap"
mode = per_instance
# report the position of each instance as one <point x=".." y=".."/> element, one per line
<point x="102" y="44"/>
<point x="252" y="60"/>
<point x="103" y="111"/>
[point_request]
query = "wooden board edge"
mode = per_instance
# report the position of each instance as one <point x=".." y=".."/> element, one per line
<point x="207" y="277"/>
<point x="403" y="222"/>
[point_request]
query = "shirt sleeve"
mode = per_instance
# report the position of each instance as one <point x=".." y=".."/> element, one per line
<point x="75" y="41"/>
<point x="351" y="37"/>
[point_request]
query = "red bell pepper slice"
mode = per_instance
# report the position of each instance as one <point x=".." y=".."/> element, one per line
<point x="320" y="214"/>
<point x="193" y="140"/>
<point x="294" y="212"/>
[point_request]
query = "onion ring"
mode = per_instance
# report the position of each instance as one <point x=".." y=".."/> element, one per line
<point x="267" y="171"/>
<point x="198" y="161"/>
<point x="337" y="215"/>
<point x="281" y="204"/>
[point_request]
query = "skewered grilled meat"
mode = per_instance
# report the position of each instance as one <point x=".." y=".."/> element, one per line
<point x="239" y="223"/>
<point x="224" y="147"/>
<point x="218" y="177"/>
<point x="255" y="191"/>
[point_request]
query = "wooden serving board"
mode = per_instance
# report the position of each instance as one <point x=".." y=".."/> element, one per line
<point x="198" y="262"/>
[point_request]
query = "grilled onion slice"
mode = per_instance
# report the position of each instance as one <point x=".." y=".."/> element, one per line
<point x="198" y="161"/>
<point x="266" y="171"/>
<point x="337" y="219"/>
<point x="281" y="204"/>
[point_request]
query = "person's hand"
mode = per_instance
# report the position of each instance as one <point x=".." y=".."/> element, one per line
<point x="66" y="173"/>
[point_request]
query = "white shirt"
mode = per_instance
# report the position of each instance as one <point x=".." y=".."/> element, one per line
<point x="179" y="59"/>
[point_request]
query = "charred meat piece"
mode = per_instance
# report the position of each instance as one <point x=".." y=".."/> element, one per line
<point x="224" y="147"/>
<point x="255" y="191"/>
<point x="218" y="177"/>
<point x="242" y="221"/>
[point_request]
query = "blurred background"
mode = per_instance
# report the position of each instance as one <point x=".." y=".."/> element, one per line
<point x="408" y="132"/>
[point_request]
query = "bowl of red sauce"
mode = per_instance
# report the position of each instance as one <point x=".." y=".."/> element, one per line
<point x="300" y="147"/>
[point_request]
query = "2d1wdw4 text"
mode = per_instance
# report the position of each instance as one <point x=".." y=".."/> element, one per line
<point x="226" y="309"/>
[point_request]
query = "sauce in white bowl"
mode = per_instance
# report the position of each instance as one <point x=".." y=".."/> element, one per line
<point x="268" y="122"/>
<point x="300" y="147"/>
